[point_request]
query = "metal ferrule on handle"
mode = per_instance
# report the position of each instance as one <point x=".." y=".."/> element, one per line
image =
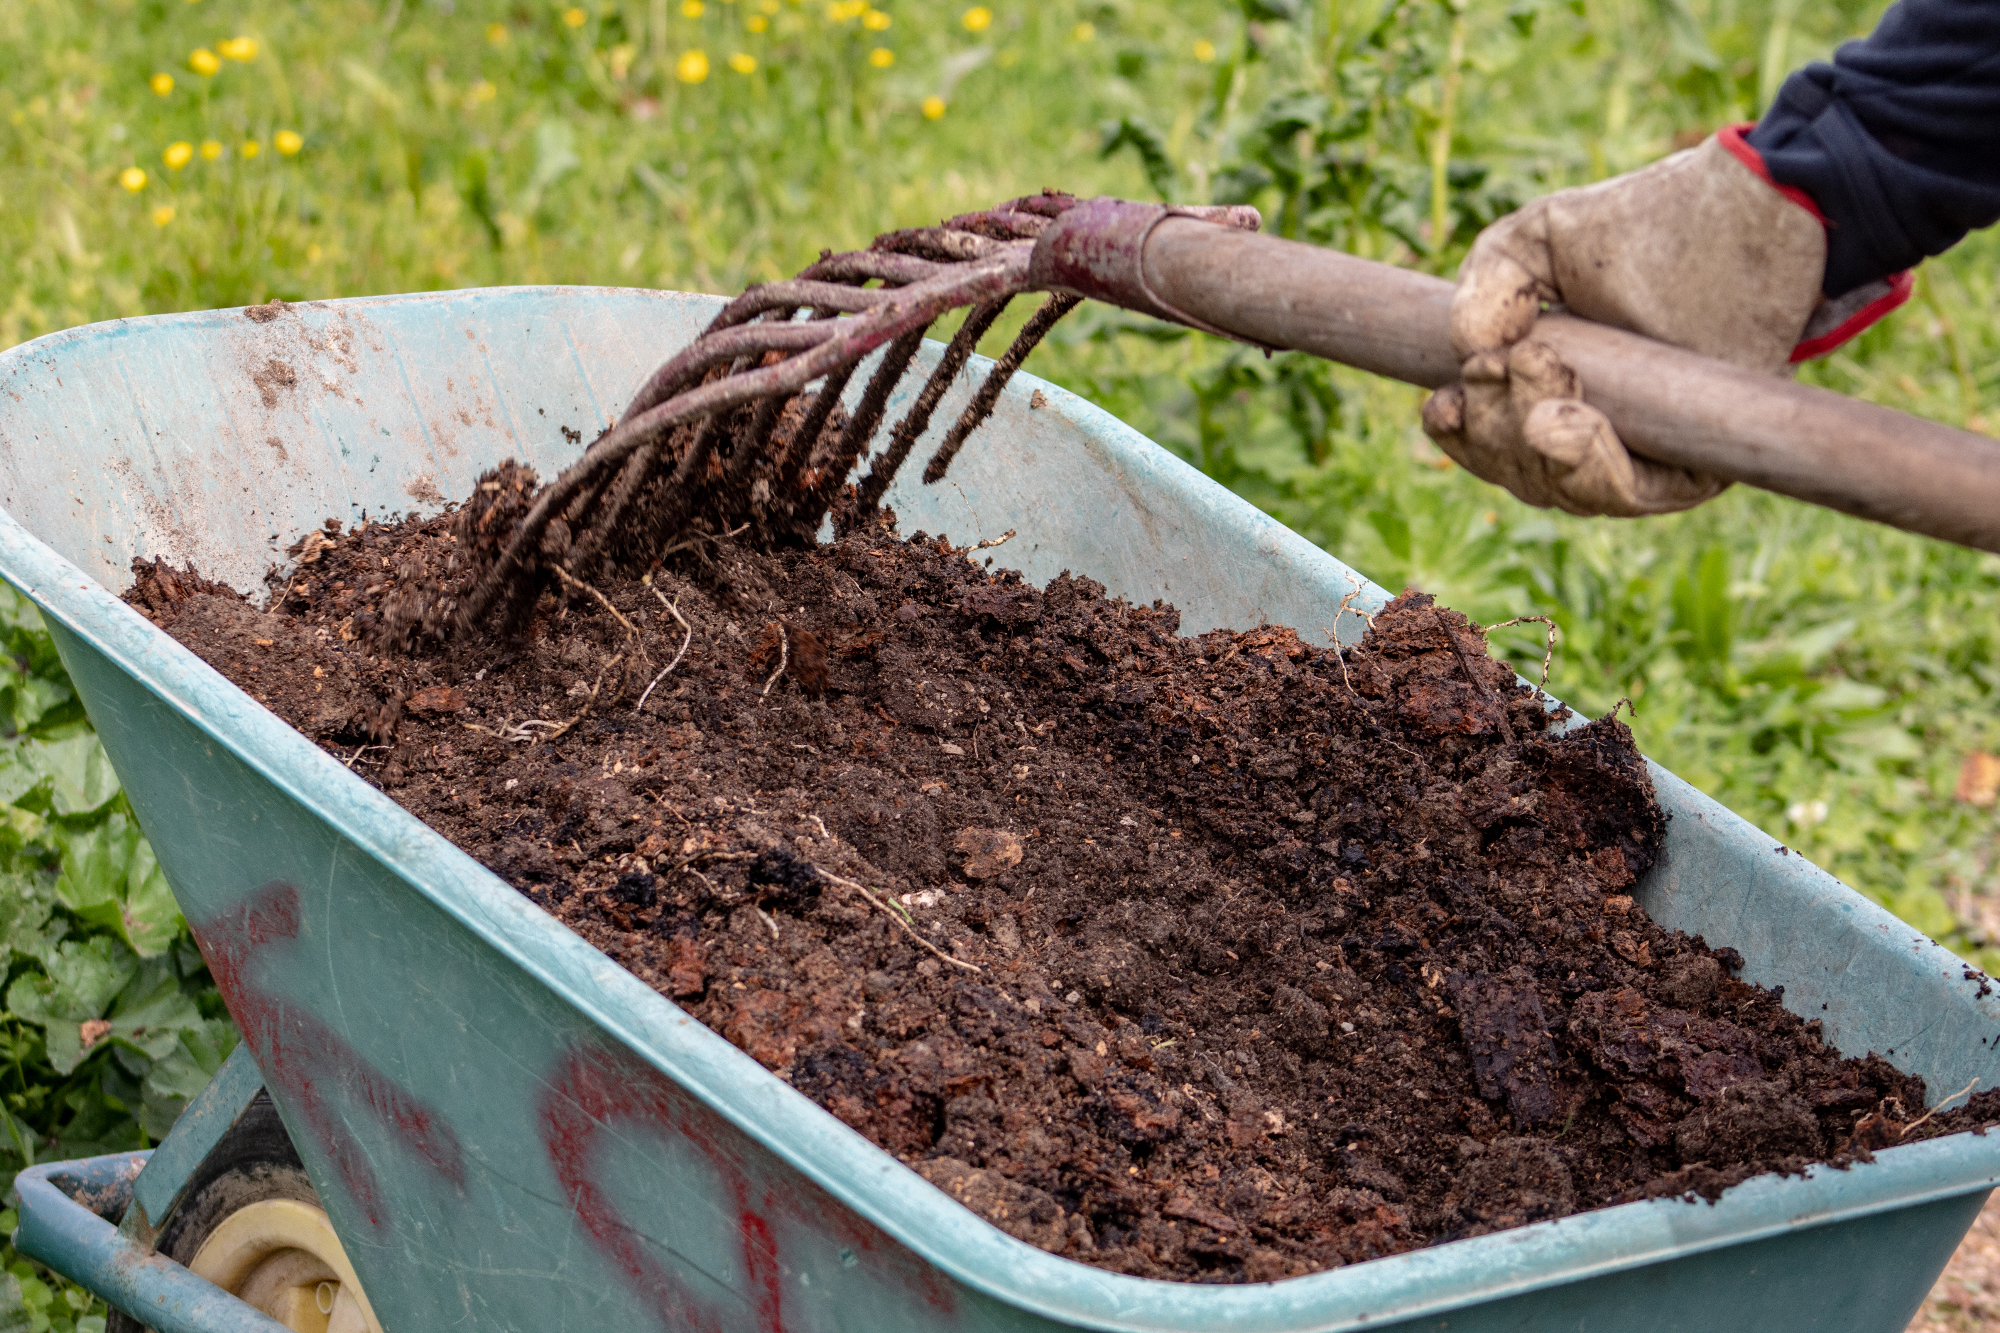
<point x="1096" y="249"/>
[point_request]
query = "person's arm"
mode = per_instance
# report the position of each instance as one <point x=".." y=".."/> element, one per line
<point x="1761" y="249"/>
<point x="1897" y="141"/>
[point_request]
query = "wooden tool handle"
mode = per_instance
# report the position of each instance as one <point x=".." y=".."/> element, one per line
<point x="1670" y="405"/>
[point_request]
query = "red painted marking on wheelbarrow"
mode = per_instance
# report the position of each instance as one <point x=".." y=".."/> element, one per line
<point x="304" y="1059"/>
<point x="592" y="1090"/>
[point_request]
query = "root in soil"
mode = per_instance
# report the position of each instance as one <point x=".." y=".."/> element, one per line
<point x="1217" y="958"/>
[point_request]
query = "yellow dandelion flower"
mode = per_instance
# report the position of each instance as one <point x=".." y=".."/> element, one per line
<point x="210" y="150"/>
<point x="769" y="6"/>
<point x="496" y="34"/>
<point x="163" y="215"/>
<point x="881" y="57"/>
<point x="692" y="67"/>
<point x="933" y="108"/>
<point x="842" y="10"/>
<point x="1204" y="50"/>
<point x="1084" y="32"/>
<point x="133" y="179"/>
<point x="288" y="142"/>
<point x="757" y="23"/>
<point x="575" y="17"/>
<point x="250" y="148"/>
<point x="178" y="154"/>
<point x="693" y="9"/>
<point x="743" y="63"/>
<point x="203" y="61"/>
<point x="314" y="254"/>
<point x="875" y="21"/>
<point x="240" y="49"/>
<point x="977" y="19"/>
<point x="161" y="83"/>
<point x="481" y="92"/>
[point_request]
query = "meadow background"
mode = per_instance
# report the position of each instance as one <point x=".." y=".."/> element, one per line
<point x="1831" y="681"/>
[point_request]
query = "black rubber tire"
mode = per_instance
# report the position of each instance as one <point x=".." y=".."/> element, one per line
<point x="255" y="1161"/>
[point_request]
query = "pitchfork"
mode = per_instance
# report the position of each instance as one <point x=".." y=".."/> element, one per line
<point x="729" y="436"/>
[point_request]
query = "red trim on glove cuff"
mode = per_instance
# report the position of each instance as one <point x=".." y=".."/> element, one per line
<point x="1900" y="284"/>
<point x="1900" y="287"/>
<point x="1731" y="138"/>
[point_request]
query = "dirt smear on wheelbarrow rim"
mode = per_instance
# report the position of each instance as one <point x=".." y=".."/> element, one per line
<point x="1218" y="958"/>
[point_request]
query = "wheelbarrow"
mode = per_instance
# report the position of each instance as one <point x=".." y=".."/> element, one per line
<point x="449" y="1111"/>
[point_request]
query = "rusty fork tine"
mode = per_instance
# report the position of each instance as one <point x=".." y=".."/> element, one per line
<point x="712" y="349"/>
<point x="678" y="503"/>
<point x="868" y="415"/>
<point x="799" y="450"/>
<point x="939" y="243"/>
<point x="752" y="451"/>
<point x="1003" y="370"/>
<point x="918" y="419"/>
<point x="878" y="265"/>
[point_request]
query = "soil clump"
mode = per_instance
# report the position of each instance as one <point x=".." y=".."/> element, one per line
<point x="1225" y="957"/>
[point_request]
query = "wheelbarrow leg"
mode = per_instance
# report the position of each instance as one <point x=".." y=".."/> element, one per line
<point x="211" y="1115"/>
<point x="204" y="1220"/>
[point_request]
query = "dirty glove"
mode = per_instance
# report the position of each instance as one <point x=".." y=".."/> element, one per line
<point x="1699" y="250"/>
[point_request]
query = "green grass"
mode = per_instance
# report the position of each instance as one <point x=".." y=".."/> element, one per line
<point x="1823" y="677"/>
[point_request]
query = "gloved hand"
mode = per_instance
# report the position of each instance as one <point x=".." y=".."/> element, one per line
<point x="1699" y="250"/>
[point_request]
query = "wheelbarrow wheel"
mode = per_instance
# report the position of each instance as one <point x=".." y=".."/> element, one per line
<point x="251" y="1223"/>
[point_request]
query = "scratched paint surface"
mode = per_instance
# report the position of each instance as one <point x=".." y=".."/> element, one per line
<point x="511" y="1133"/>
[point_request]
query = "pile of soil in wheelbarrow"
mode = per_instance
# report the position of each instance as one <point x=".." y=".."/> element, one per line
<point x="1221" y="958"/>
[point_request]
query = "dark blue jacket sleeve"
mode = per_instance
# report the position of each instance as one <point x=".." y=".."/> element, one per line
<point x="1898" y="140"/>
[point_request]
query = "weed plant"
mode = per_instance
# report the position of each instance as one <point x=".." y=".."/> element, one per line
<point x="1830" y="680"/>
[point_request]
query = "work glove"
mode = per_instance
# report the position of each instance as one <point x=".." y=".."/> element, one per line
<point x="1700" y="250"/>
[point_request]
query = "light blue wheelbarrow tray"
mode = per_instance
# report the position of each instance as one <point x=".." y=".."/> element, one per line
<point x="512" y="1133"/>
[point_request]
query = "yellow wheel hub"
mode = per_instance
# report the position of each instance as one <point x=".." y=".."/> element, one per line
<point x="282" y="1257"/>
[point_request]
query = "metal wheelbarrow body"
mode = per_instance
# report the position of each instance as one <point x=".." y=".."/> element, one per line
<point x="509" y="1132"/>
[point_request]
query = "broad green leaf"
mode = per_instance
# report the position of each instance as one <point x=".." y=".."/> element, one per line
<point x="26" y="700"/>
<point x="151" y="919"/>
<point x="94" y="864"/>
<point x="81" y="779"/>
<point x="152" y="1012"/>
<point x="20" y="827"/>
<point x="25" y="911"/>
<point x="18" y="1139"/>
<point x="182" y="1072"/>
<point x="14" y="1316"/>
<point x="18" y="776"/>
<point x="111" y="879"/>
<point x="81" y="981"/>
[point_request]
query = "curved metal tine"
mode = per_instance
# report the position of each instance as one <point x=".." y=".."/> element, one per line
<point x="918" y="418"/>
<point x="939" y="243"/>
<point x="585" y="550"/>
<point x="1003" y="370"/>
<point x="883" y="266"/>
<point x="580" y="514"/>
<point x="936" y="285"/>
<point x="1048" y="204"/>
<point x="579" y="508"/>
<point x="755" y="447"/>
<point x="724" y="345"/>
<point x="679" y="500"/>
<point x="844" y="341"/>
<point x="1000" y="225"/>
<point x="799" y="449"/>
<point x="795" y="294"/>
<point x="867" y="416"/>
